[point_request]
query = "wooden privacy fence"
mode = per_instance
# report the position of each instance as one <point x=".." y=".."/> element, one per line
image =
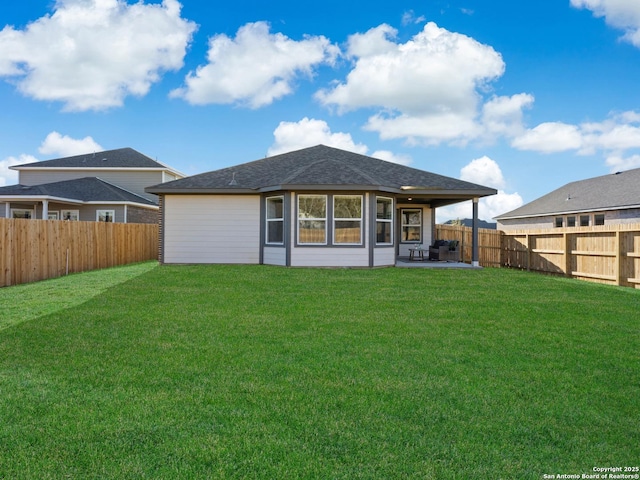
<point x="489" y="243"/>
<point x="606" y="254"/>
<point x="32" y="250"/>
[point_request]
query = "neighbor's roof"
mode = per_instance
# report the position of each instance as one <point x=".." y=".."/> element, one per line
<point x="616" y="191"/>
<point x="320" y="168"/>
<point x="83" y="190"/>
<point x="121" y="158"/>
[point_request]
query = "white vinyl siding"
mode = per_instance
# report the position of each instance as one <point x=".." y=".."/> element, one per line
<point x="275" y="256"/>
<point x="330" y="257"/>
<point x="384" y="256"/>
<point x="212" y="229"/>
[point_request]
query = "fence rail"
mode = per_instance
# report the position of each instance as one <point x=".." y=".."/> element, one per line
<point x="606" y="254"/>
<point x="32" y="250"/>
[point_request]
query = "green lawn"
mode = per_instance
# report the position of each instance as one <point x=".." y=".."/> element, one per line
<point x="267" y="372"/>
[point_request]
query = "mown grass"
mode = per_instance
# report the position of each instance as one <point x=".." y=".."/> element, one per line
<point x="261" y="372"/>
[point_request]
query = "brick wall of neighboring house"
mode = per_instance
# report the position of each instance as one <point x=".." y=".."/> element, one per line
<point x="141" y="215"/>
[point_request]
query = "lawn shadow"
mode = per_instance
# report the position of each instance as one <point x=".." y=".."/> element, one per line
<point x="22" y="303"/>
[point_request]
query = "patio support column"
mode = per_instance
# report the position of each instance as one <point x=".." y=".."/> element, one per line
<point x="475" y="256"/>
<point x="7" y="210"/>
<point x="45" y="209"/>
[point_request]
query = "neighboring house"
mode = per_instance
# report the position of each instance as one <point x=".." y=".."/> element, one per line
<point x="318" y="206"/>
<point x="101" y="186"/>
<point x="468" y="222"/>
<point x="605" y="200"/>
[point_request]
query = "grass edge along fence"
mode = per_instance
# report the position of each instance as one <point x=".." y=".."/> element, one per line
<point x="33" y="250"/>
<point x="608" y="254"/>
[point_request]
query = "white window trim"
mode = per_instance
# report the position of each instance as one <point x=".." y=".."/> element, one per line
<point x="268" y="220"/>
<point x="53" y="215"/>
<point x="31" y="211"/>
<point x="325" y="219"/>
<point x="102" y="211"/>
<point x="338" y="219"/>
<point x="384" y="220"/>
<point x="402" y="225"/>
<point x="72" y="213"/>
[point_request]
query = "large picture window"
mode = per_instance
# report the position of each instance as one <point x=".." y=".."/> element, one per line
<point x="312" y="219"/>
<point x="275" y="220"/>
<point x="347" y="219"/>
<point x="384" y="221"/>
<point x="411" y="225"/>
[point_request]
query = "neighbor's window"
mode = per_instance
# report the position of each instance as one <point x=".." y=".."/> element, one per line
<point x="347" y="219"/>
<point x="312" y="219"/>
<point x="584" y="220"/>
<point x="275" y="220"/>
<point x="21" y="213"/>
<point x="105" y="215"/>
<point x="411" y="225"/>
<point x="384" y="220"/>
<point x="70" y="214"/>
<point x="598" y="219"/>
<point x="558" y="222"/>
<point x="53" y="215"/>
<point x="571" y="221"/>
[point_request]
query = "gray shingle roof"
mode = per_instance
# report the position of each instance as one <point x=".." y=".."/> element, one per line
<point x="120" y="158"/>
<point x="87" y="189"/>
<point x="614" y="191"/>
<point x="318" y="167"/>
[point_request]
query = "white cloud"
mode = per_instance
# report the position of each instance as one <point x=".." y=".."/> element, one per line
<point x="10" y="177"/>
<point x="428" y="90"/>
<point x="503" y="115"/>
<point x="487" y="172"/>
<point x="488" y="208"/>
<point x="65" y="146"/>
<point x="620" y="14"/>
<point x="92" y="54"/>
<point x="550" y="137"/>
<point x="255" y="68"/>
<point x="309" y="132"/>
<point x="409" y="17"/>
<point x="617" y="137"/>
<point x="617" y="163"/>
<point x="483" y="171"/>
<point x="392" y="157"/>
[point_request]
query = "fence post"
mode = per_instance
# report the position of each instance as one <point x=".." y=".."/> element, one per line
<point x="567" y="254"/>
<point x="619" y="258"/>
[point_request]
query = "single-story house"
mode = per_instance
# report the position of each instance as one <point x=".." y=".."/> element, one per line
<point x="319" y="206"/>
<point x="102" y="186"/>
<point x="604" y="200"/>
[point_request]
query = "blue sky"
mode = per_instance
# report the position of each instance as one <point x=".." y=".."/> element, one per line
<point x="520" y="96"/>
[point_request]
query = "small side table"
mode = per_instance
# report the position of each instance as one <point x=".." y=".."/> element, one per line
<point x="419" y="251"/>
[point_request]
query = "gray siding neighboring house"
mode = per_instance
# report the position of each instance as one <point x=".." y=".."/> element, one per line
<point x="100" y="186"/>
<point x="605" y="200"/>
<point x="319" y="206"/>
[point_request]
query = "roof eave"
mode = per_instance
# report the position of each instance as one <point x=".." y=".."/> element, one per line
<point x="39" y="198"/>
<point x="565" y="212"/>
<point x="157" y="190"/>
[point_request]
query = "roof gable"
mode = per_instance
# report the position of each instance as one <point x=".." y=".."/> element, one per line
<point x="317" y="167"/>
<point x="606" y="192"/>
